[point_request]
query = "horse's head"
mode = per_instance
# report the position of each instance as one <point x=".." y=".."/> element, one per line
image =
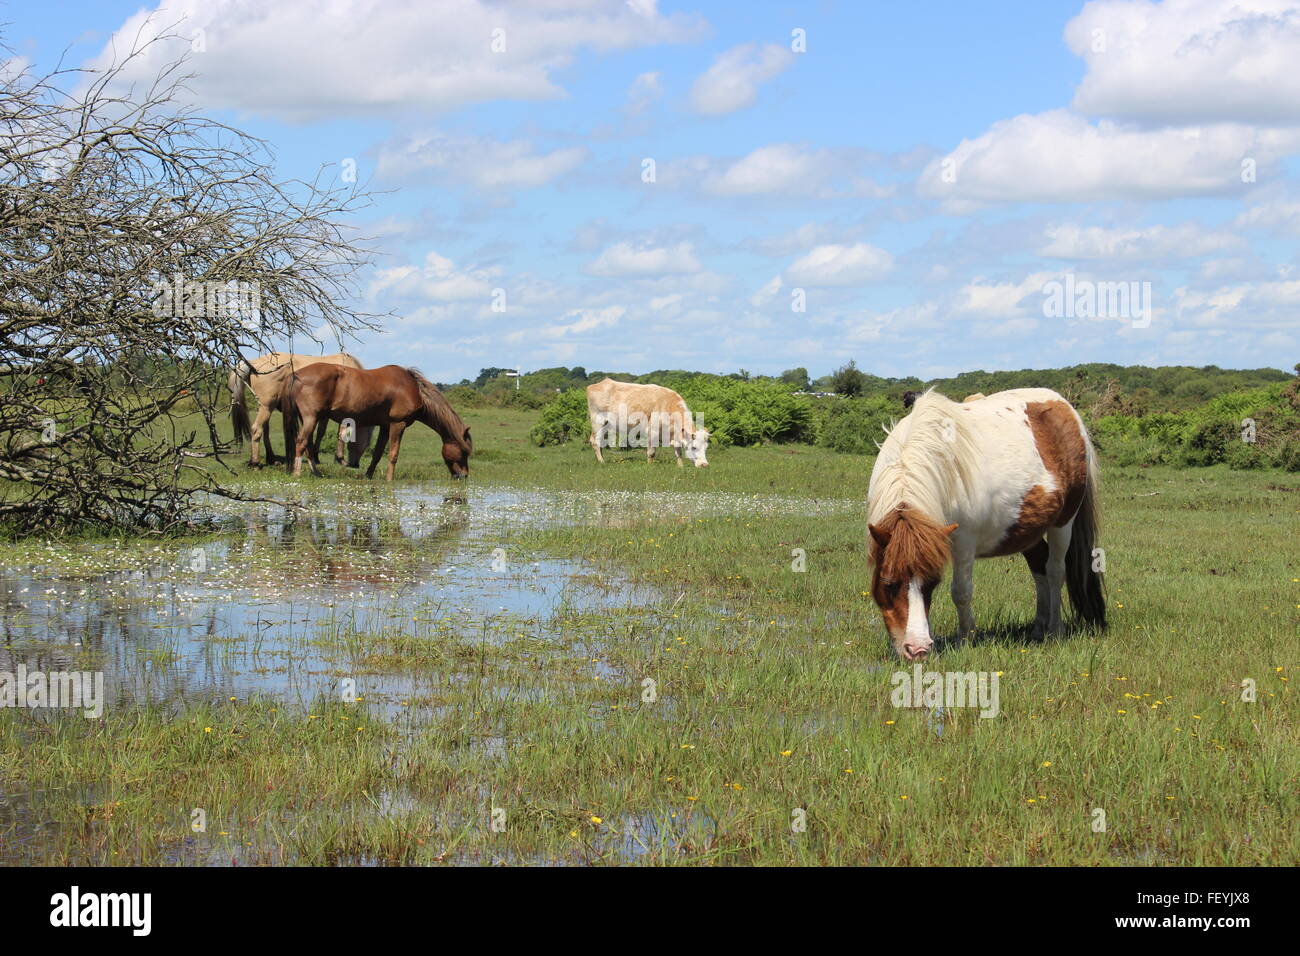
<point x="908" y="552"/>
<point x="455" y="453"/>
<point x="697" y="448"/>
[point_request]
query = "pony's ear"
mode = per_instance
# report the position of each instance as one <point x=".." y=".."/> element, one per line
<point x="881" y="537"/>
<point x="950" y="529"/>
<point x="467" y="438"/>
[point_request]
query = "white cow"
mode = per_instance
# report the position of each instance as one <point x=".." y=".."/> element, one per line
<point x="626" y="414"/>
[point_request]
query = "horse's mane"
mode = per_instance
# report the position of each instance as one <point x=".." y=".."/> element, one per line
<point x="917" y="545"/>
<point x="438" y="413"/>
<point x="926" y="462"/>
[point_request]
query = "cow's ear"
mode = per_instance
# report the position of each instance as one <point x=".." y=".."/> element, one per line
<point x="881" y="537"/>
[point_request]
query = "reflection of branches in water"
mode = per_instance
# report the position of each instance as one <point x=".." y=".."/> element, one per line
<point x="349" y="543"/>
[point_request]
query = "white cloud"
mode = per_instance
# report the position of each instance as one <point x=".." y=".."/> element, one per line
<point x="1185" y="241"/>
<point x="585" y="320"/>
<point x="484" y="163"/>
<point x="1061" y="157"/>
<point x="835" y="265"/>
<point x="644" y="92"/>
<point x="784" y="168"/>
<point x="318" y="58"/>
<point x="437" y="279"/>
<point x="732" y="82"/>
<point x="999" y="299"/>
<point x="633" y="259"/>
<point x="1189" y="61"/>
<point x="1277" y="217"/>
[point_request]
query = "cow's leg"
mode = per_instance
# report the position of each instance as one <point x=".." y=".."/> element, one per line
<point x="595" y="443"/>
<point x="1058" y="543"/>
<point x="1036" y="558"/>
<point x="963" y="587"/>
<point x="650" y="446"/>
<point x="677" y="450"/>
<point x="379" y="450"/>
<point x="259" y="434"/>
<point x="395" y="445"/>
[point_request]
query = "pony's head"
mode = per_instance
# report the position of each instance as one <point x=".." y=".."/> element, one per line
<point x="456" y="451"/>
<point x="908" y="553"/>
<point x="697" y="448"/>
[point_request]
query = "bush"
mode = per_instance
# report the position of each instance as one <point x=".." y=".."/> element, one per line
<point x="1288" y="456"/>
<point x="855" y="426"/>
<point x="563" y="419"/>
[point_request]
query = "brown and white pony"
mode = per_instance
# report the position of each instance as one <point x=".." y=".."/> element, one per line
<point x="1013" y="473"/>
<point x="390" y="397"/>
<point x="267" y="376"/>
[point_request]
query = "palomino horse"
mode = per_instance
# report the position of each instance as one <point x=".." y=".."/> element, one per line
<point x="1011" y="473"/>
<point x="267" y="376"/>
<point x="391" y="397"/>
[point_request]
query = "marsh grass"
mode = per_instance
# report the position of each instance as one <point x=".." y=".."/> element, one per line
<point x="771" y="694"/>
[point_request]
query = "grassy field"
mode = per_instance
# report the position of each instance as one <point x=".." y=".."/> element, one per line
<point x="768" y="735"/>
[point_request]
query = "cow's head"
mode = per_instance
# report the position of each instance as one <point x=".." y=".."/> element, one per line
<point x="908" y="552"/>
<point x="697" y="447"/>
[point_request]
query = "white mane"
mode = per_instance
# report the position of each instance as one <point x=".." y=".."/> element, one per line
<point x="927" y="461"/>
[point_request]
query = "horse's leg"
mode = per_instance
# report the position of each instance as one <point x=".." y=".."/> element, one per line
<point x="1058" y="543"/>
<point x="302" y="446"/>
<point x="379" y="450"/>
<point x="258" y="435"/>
<point x="395" y="445"/>
<point x="1036" y="558"/>
<point x="320" y="436"/>
<point x="963" y="587"/>
<point x="360" y="445"/>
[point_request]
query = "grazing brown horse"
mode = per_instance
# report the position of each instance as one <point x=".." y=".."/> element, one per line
<point x="267" y="376"/>
<point x="390" y="397"/>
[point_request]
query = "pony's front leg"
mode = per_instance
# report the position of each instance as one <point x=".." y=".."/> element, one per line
<point x="395" y="439"/>
<point x="963" y="587"/>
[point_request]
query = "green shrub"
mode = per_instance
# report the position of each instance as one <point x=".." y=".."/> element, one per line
<point x="1287" y="456"/>
<point x="856" y="426"/>
<point x="563" y="419"/>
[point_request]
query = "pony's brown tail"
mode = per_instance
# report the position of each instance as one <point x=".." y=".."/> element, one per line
<point x="289" y="412"/>
<point x="238" y="410"/>
<point x="1083" y="563"/>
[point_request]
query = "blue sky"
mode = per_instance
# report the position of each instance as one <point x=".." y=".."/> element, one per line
<point x="916" y="177"/>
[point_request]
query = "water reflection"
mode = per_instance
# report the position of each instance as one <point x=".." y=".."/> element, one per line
<point x="281" y="602"/>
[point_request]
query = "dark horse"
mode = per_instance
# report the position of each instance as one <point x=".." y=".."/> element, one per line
<point x="391" y="397"/>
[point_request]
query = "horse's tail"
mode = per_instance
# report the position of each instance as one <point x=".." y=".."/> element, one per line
<point x="289" y="412"/>
<point x="238" y="410"/>
<point x="1083" y="574"/>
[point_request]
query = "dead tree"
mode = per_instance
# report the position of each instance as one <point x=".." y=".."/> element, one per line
<point x="144" y="248"/>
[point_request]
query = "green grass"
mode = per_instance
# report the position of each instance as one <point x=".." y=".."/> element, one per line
<point x="773" y="695"/>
